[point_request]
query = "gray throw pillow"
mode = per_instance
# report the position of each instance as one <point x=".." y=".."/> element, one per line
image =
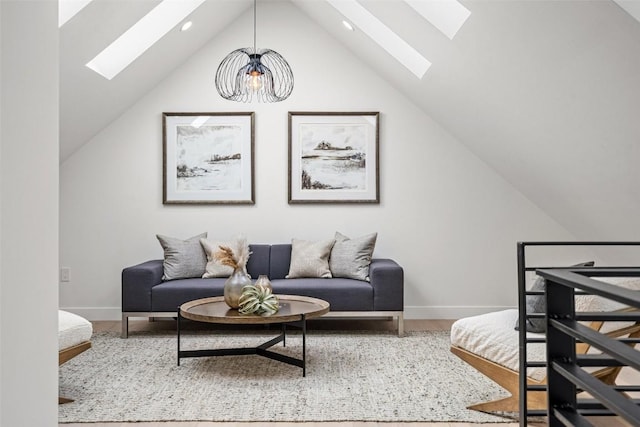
<point x="183" y="258"/>
<point x="310" y="259"/>
<point x="538" y="304"/>
<point x="535" y="304"/>
<point x="350" y="258"/>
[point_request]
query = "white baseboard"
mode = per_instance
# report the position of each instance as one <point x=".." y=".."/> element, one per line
<point x="96" y="313"/>
<point x="449" y="312"/>
<point x="410" y="312"/>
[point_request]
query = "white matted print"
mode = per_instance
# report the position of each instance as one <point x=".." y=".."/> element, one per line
<point x="333" y="157"/>
<point x="208" y="158"/>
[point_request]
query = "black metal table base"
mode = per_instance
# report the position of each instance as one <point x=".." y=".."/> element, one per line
<point x="261" y="350"/>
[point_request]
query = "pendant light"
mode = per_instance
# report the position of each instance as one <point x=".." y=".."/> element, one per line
<point x="247" y="73"/>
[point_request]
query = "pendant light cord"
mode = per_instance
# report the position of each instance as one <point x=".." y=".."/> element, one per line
<point x="254" y="26"/>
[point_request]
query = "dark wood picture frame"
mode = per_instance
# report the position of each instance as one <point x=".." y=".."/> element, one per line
<point x="334" y="157"/>
<point x="211" y="156"/>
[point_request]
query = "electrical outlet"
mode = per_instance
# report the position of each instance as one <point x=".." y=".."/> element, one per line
<point x="65" y="274"/>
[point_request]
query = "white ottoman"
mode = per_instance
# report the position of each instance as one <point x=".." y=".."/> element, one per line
<point x="74" y="335"/>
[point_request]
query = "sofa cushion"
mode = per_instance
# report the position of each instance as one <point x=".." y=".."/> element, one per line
<point x="492" y="337"/>
<point x="280" y="260"/>
<point x="310" y="259"/>
<point x="168" y="296"/>
<point x="183" y="258"/>
<point x="350" y="258"/>
<point x="341" y="294"/>
<point x="259" y="260"/>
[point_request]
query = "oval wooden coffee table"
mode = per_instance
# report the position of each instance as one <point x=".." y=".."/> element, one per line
<point x="294" y="310"/>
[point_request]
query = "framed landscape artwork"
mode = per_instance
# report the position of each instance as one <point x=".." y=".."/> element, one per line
<point x="333" y="157"/>
<point x="208" y="158"/>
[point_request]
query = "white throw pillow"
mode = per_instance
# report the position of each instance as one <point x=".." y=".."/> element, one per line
<point x="351" y="258"/>
<point x="214" y="268"/>
<point x="310" y="259"/>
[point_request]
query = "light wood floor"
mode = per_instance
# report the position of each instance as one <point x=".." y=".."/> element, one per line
<point x="336" y="324"/>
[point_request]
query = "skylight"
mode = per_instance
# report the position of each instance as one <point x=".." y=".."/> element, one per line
<point x="448" y="16"/>
<point x="382" y="35"/>
<point x="141" y="36"/>
<point x="67" y="9"/>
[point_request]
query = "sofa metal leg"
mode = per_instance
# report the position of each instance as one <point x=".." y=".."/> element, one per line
<point x="401" y="325"/>
<point x="125" y="326"/>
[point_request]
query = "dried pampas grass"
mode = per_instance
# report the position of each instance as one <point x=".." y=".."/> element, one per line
<point x="235" y="256"/>
<point x="224" y="255"/>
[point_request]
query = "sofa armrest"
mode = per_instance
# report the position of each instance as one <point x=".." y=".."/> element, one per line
<point x="137" y="282"/>
<point x="387" y="280"/>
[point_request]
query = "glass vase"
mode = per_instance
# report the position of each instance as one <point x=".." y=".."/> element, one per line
<point x="264" y="282"/>
<point x="233" y="287"/>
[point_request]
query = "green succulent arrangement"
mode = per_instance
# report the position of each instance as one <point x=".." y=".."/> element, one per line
<point x="258" y="300"/>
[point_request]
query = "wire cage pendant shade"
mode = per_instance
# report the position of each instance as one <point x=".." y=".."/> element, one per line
<point x="245" y="74"/>
<point x="249" y="73"/>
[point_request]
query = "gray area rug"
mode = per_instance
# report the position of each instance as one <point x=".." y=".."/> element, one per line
<point x="351" y="376"/>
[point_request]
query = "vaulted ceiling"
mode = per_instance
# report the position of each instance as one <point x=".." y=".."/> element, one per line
<point x="545" y="92"/>
<point x="88" y="101"/>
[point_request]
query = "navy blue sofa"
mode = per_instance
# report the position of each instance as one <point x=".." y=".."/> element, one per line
<point x="144" y="294"/>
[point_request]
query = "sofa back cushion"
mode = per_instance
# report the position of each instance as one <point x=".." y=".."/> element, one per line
<point x="280" y="261"/>
<point x="259" y="260"/>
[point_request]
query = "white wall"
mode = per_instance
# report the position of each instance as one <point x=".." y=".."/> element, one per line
<point x="29" y="213"/>
<point x="546" y="93"/>
<point x="445" y="216"/>
<point x="1" y="207"/>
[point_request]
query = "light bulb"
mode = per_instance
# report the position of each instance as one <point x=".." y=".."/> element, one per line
<point x="255" y="81"/>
